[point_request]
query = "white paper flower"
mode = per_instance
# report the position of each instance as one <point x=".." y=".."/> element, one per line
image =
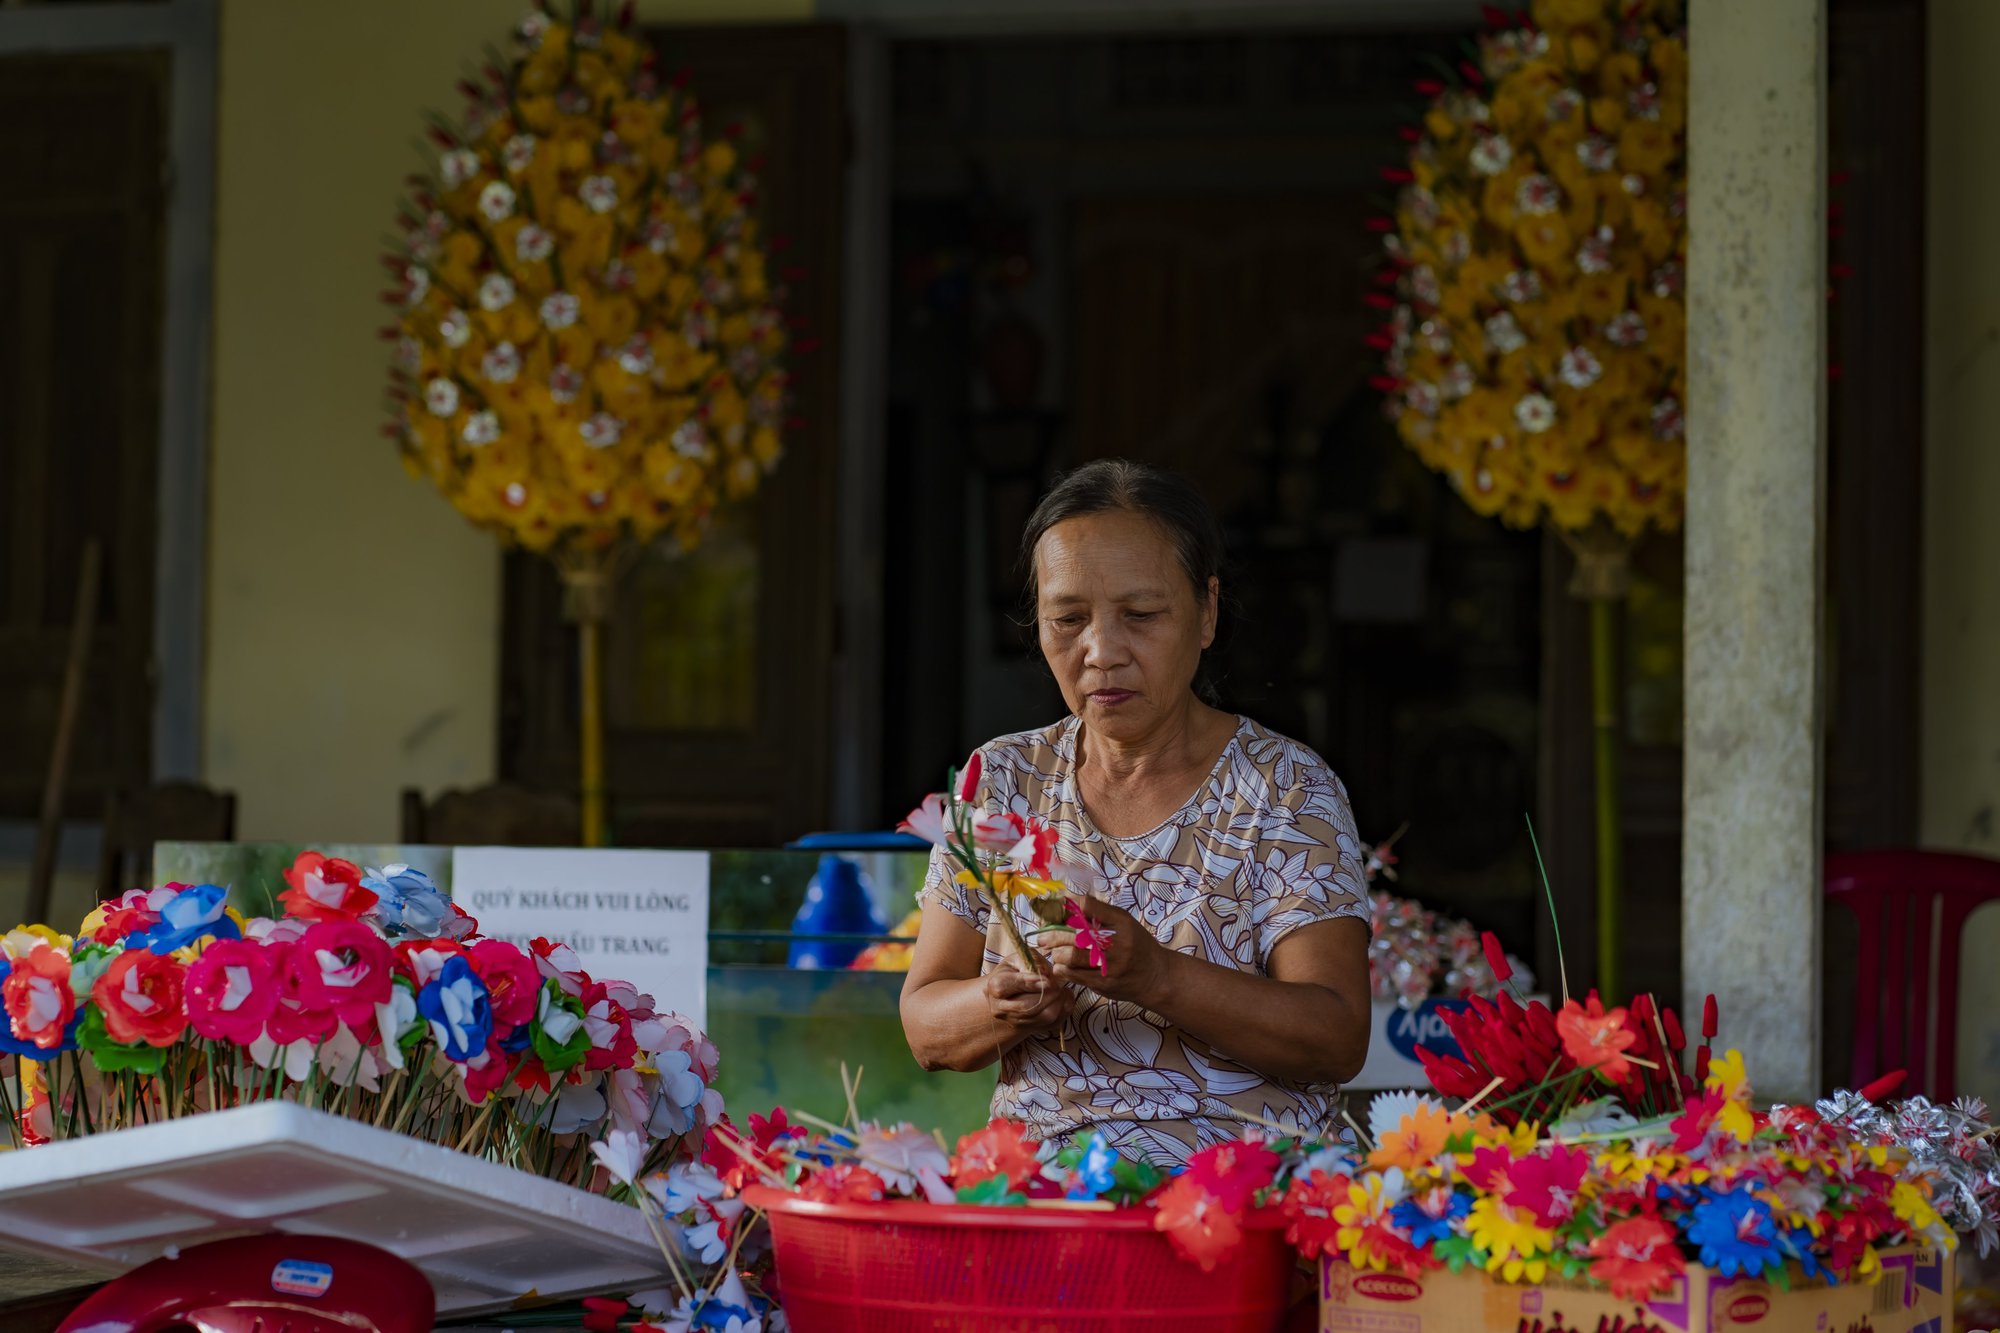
<point x="600" y="192"/>
<point x="1491" y="154"/>
<point x="619" y="276"/>
<point x="1423" y="206"/>
<point x="519" y="153"/>
<point x="480" y="428"/>
<point x="636" y="356"/>
<point x="1643" y="102"/>
<point x="441" y="397"/>
<point x="601" y="431"/>
<point x="497" y="292"/>
<point x="1632" y="183"/>
<point x="1503" y="334"/>
<point x="533" y="244"/>
<point x="1625" y="330"/>
<point x="501" y="364"/>
<point x="416" y="284"/>
<point x="1521" y="286"/>
<point x="564" y="384"/>
<point x="560" y="310"/>
<point x="621" y="1153"/>
<point x="455" y="327"/>
<point x="1458" y="381"/>
<point x="1563" y="104"/>
<point x="657" y="236"/>
<point x="1537" y="195"/>
<point x="496" y="201"/>
<point x="1594" y="255"/>
<point x="515" y="495"/>
<point x="1422" y="397"/>
<point x="1535" y="413"/>
<point x="690" y="440"/>
<point x="1424" y="283"/>
<point x="1578" y="368"/>
<point x="457" y="167"/>
<point x="1597" y="153"/>
<point x="408" y="355"/>
<point x="1669" y="421"/>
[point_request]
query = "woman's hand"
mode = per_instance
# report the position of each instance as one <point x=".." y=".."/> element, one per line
<point x="1027" y="1005"/>
<point x="1135" y="964"/>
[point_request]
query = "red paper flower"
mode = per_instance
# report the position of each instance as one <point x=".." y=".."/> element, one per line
<point x="513" y="983"/>
<point x="1546" y="1183"/>
<point x="1088" y="937"/>
<point x="843" y="1183"/>
<point x="38" y="999"/>
<point x="422" y="960"/>
<point x="1637" y="1258"/>
<point x="1496" y="957"/>
<point x="131" y="911"/>
<point x="325" y="889"/>
<point x="1308" y="1208"/>
<point x="340" y="968"/>
<point x="1233" y="1172"/>
<point x="1001" y="1149"/>
<point x="292" y="1019"/>
<point x="487" y="1073"/>
<point x="1202" y="1228"/>
<point x="1597" y="1039"/>
<point x="231" y="990"/>
<point x="1691" y="1126"/>
<point x="140" y="998"/>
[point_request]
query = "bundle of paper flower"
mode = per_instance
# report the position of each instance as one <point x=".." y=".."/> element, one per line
<point x="372" y="997"/>
<point x="1415" y="953"/>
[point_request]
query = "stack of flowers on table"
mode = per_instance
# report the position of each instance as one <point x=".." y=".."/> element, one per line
<point x="371" y="997"/>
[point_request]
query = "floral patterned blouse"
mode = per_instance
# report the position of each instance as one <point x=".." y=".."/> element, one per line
<point x="1266" y="845"/>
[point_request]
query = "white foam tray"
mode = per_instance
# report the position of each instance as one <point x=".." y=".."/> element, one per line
<point x="484" y="1234"/>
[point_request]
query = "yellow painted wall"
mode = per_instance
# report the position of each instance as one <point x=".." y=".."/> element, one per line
<point x="1961" y="688"/>
<point x="353" y="616"/>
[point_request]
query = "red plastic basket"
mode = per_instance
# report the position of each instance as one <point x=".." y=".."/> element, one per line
<point x="926" y="1268"/>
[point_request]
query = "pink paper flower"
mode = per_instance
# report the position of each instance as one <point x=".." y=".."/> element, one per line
<point x="342" y="968"/>
<point x="1088" y="937"/>
<point x="1547" y="1183"/>
<point x="231" y="990"/>
<point x="511" y="980"/>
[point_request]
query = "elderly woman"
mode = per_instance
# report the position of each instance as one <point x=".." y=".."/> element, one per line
<point x="1233" y="988"/>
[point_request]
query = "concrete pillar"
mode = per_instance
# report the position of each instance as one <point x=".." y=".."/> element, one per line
<point x="1756" y="305"/>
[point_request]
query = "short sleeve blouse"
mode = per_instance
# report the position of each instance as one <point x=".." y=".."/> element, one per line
<point x="1267" y="845"/>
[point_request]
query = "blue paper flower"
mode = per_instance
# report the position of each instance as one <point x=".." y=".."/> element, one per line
<point x="1735" y="1233"/>
<point x="1093" y="1177"/>
<point x="1797" y="1243"/>
<point x="186" y="917"/>
<point x="1425" y="1227"/>
<point x="459" y="1009"/>
<point x="824" y="1154"/>
<point x="407" y="902"/>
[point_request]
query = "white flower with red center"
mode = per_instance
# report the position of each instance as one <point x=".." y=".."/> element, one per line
<point x="1521" y="286"/>
<point x="1491" y="155"/>
<point x="1482" y="481"/>
<point x="441" y="397"/>
<point x="532" y="27"/>
<point x="1578" y="368"/>
<point x="496" y="201"/>
<point x="1627" y="329"/>
<point x="501" y="364"/>
<point x="699" y="327"/>
<point x="690" y="440"/>
<point x="1669" y="421"/>
<point x="1666" y="280"/>
<point x="1457" y="247"/>
<point x="1424" y="285"/>
<point x="481" y="428"/>
<point x="416" y="284"/>
<point x="409" y="355"/>
<point x="600" y="193"/>
<point x="1535" y="413"/>
<point x="457" y="167"/>
<point x="1458" y="382"/>
<point x="564" y="384"/>
<point x="1422" y="397"/>
<point x="1597" y="153"/>
<point x="455" y="327"/>
<point x="560" y="310"/>
<point x="1537" y="195"/>
<point x="572" y="101"/>
<point x="685" y="190"/>
<point x="619" y="276"/>
<point x="1644" y="102"/>
<point x="515" y="495"/>
<point x="1563" y="104"/>
<point x="1423" y="206"/>
<point x="636" y="356"/>
<point x="1436" y="336"/>
<point x="1594" y="255"/>
<point x="519" y="153"/>
<point x="496" y="292"/>
<point x="611" y="148"/>
<point x="1633" y="184"/>
<point x="533" y="244"/>
<point x="746" y="362"/>
<point x="657" y="236"/>
<point x="1503" y="334"/>
<point x="601" y="431"/>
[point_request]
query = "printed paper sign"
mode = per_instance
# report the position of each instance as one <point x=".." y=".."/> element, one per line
<point x="638" y="916"/>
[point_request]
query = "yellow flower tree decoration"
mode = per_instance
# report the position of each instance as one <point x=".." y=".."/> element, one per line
<point x="1535" y="349"/>
<point x="588" y="356"/>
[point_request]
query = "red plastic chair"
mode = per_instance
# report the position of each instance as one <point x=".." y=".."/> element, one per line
<point x="1912" y="908"/>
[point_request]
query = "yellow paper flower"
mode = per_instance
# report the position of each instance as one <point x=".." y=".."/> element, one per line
<point x="22" y="940"/>
<point x="1535" y="344"/>
<point x="1727" y="1077"/>
<point x="1517" y="1248"/>
<point x="588" y="348"/>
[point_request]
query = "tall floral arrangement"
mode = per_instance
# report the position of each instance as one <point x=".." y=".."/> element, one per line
<point x="589" y="349"/>
<point x="1534" y="342"/>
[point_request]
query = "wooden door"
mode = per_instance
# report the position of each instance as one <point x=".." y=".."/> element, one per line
<point x="718" y="699"/>
<point x="82" y="243"/>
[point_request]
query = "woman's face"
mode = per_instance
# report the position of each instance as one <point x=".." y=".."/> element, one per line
<point x="1120" y="624"/>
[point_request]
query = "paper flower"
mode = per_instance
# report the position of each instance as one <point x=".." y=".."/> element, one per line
<point x="844" y="1183"/>
<point x="460" y="1014"/>
<point x="901" y="1156"/>
<point x="230" y="990"/>
<point x="342" y="968"/>
<point x="407" y="903"/>
<point x="1516" y="1245"/>
<point x="1415" y="1141"/>
<point x="1636" y="1257"/>
<point x="41" y="1009"/>
<point x="325" y="889"/>
<point x="1546" y="1184"/>
<point x="1596" y="1038"/>
<point x="999" y="1150"/>
<point x="513" y="985"/>
<point x="1727" y="1080"/>
<point x="1089" y="936"/>
<point x="1094" y="1174"/>
<point x="140" y="997"/>
<point x="1367" y="1232"/>
<point x="1431" y="1215"/>
<point x="1203" y="1228"/>
<point x="1735" y="1234"/>
<point x="189" y="915"/>
<point x="1308" y="1206"/>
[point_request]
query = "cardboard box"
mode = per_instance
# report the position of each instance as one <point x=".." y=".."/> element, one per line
<point x="1914" y="1296"/>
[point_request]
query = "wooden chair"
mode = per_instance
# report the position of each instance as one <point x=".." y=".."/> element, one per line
<point x="167" y="812"/>
<point x="1912" y="908"/>
<point x="500" y="814"/>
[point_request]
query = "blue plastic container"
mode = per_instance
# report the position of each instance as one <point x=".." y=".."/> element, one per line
<point x="837" y="902"/>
